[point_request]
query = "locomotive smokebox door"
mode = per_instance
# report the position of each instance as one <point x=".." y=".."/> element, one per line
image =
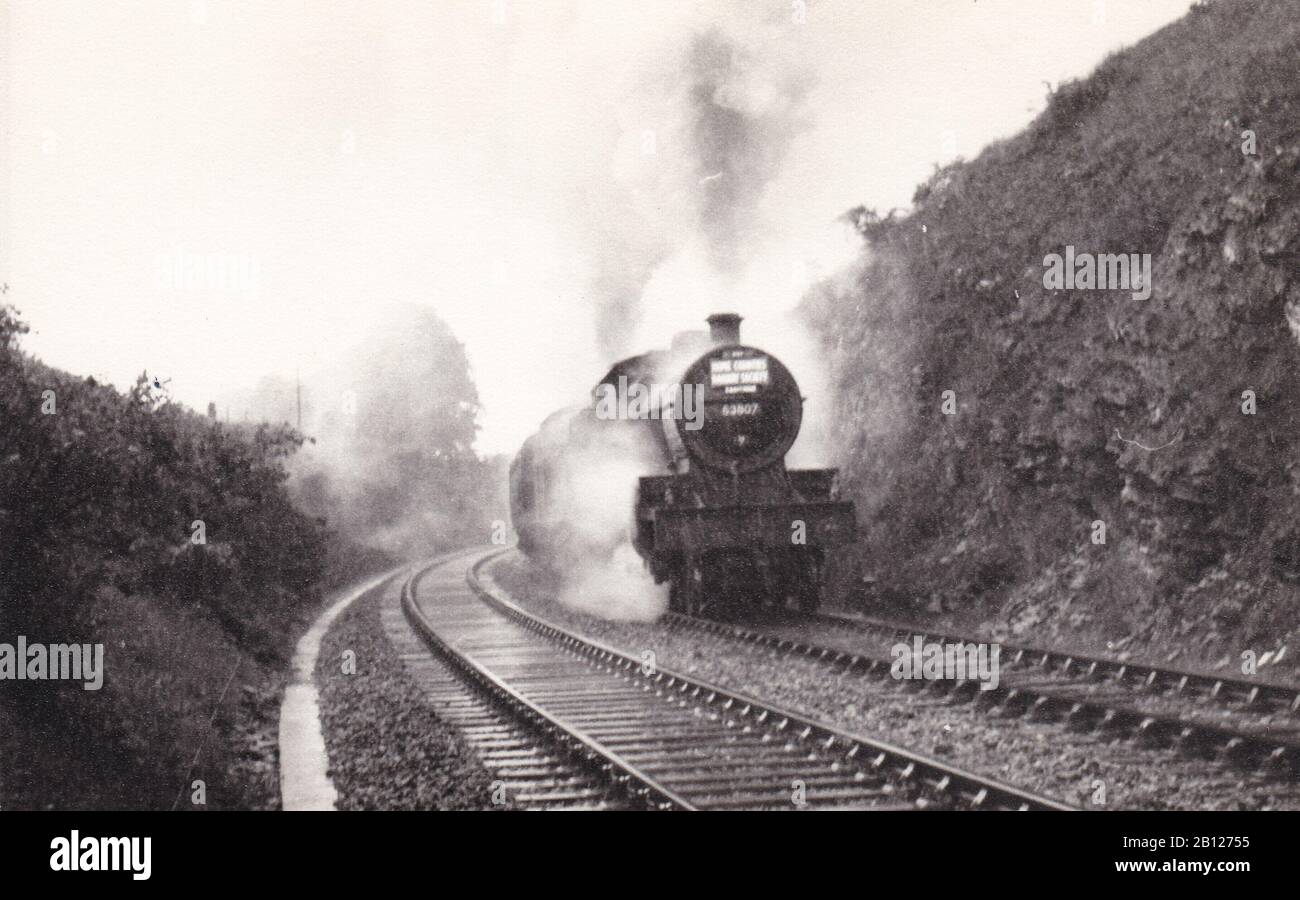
<point x="751" y="410"/>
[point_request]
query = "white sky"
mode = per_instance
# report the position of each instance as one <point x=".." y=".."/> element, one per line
<point x="338" y="157"/>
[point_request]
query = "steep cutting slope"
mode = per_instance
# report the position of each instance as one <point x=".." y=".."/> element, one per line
<point x="989" y="513"/>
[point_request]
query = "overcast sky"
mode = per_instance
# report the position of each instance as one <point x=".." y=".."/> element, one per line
<point x="323" y="160"/>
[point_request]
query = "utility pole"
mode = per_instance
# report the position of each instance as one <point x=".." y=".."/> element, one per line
<point x="298" y="380"/>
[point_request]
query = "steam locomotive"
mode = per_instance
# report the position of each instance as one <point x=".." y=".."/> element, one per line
<point x="682" y="452"/>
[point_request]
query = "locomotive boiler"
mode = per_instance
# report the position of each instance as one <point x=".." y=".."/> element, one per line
<point x="698" y="434"/>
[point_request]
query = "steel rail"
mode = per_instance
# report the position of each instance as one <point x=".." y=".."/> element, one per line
<point x="1246" y="691"/>
<point x="1249" y="748"/>
<point x="956" y="786"/>
<point x="572" y="742"/>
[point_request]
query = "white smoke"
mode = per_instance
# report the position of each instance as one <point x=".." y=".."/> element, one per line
<point x="592" y="492"/>
<point x="618" y="587"/>
<point x="709" y="114"/>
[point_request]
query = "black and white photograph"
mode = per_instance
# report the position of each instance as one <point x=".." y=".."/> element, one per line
<point x="413" y="410"/>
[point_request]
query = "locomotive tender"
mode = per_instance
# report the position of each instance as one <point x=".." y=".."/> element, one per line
<point x="716" y="513"/>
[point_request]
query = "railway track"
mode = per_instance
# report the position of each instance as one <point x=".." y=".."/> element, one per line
<point x="648" y="737"/>
<point x="1250" y="724"/>
<point x="529" y="769"/>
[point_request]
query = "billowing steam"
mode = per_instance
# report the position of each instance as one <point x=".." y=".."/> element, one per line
<point x="709" y="119"/>
<point x="391" y="463"/>
<point x="744" y="112"/>
<point x="608" y="578"/>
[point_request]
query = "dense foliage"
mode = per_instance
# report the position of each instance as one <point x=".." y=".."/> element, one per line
<point x="1078" y="406"/>
<point x="100" y="493"/>
<point x="102" y="489"/>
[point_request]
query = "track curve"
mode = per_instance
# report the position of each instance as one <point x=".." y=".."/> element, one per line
<point x="662" y="740"/>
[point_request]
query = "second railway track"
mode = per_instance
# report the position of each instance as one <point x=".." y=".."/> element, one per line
<point x="658" y="739"/>
<point x="1254" y="725"/>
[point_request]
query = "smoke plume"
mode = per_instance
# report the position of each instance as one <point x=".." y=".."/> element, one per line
<point x="709" y="117"/>
<point x="390" y="463"/>
<point x="707" y="120"/>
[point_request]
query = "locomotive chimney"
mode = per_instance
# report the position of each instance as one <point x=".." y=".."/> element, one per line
<point x="724" y="328"/>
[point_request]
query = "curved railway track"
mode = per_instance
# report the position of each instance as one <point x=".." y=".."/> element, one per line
<point x="530" y="770"/>
<point x="1250" y="724"/>
<point x="649" y="737"/>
